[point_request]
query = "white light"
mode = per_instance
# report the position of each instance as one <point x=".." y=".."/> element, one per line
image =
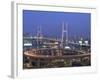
<point x="27" y="44"/>
<point x="56" y="42"/>
<point x="44" y="46"/>
<point x="80" y="42"/>
<point x="86" y="42"/>
<point x="67" y="47"/>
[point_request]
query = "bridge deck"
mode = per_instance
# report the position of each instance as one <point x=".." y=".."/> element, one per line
<point x="32" y="55"/>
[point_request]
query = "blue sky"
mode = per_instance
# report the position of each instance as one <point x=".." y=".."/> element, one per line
<point x="79" y="24"/>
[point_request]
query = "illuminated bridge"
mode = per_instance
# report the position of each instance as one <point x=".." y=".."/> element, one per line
<point x="58" y="57"/>
<point x="57" y="54"/>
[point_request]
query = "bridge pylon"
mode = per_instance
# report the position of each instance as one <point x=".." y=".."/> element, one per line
<point x="39" y="36"/>
<point x="64" y="36"/>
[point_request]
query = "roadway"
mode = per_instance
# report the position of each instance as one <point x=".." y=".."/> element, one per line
<point x="32" y="55"/>
<point x="52" y="39"/>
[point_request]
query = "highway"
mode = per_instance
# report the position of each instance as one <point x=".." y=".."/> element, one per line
<point x="32" y="55"/>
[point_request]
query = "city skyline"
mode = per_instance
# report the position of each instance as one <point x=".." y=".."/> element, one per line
<point x="79" y="24"/>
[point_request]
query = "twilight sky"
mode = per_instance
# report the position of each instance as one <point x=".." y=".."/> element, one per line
<point x="79" y="24"/>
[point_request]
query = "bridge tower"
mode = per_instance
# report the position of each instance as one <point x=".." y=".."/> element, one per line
<point x="39" y="32"/>
<point x="64" y="37"/>
<point x="39" y="37"/>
